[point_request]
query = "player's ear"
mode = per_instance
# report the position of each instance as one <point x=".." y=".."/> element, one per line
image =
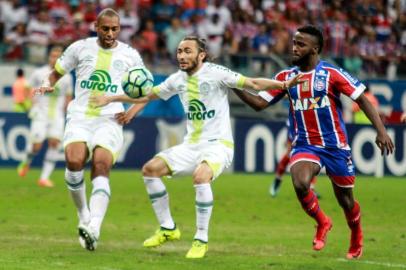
<point x="202" y="55"/>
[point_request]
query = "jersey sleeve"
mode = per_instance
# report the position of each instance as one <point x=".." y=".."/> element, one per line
<point x="136" y="58"/>
<point x="166" y="89"/>
<point x="229" y="78"/>
<point x="69" y="59"/>
<point x="347" y="84"/>
<point x="272" y="96"/>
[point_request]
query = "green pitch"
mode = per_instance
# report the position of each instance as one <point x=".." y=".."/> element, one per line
<point x="249" y="229"/>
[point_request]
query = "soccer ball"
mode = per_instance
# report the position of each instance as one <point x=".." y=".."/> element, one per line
<point x="137" y="82"/>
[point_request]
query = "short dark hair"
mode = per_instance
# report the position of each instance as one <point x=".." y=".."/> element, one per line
<point x="20" y="72"/>
<point x="313" y="31"/>
<point x="201" y="45"/>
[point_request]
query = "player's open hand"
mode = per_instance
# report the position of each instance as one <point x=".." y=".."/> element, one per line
<point x="403" y="118"/>
<point x="294" y="81"/>
<point x="123" y="118"/>
<point x="98" y="101"/>
<point x="43" y="89"/>
<point x="384" y="142"/>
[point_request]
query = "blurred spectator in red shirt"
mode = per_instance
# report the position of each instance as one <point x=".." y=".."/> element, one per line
<point x="15" y="41"/>
<point x="63" y="32"/>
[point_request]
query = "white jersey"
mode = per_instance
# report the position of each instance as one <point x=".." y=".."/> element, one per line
<point x="50" y="106"/>
<point x="98" y="72"/>
<point x="204" y="97"/>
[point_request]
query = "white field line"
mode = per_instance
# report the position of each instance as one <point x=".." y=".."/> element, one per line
<point x="386" y="264"/>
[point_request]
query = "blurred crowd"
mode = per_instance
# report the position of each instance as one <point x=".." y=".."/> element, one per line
<point x="363" y="36"/>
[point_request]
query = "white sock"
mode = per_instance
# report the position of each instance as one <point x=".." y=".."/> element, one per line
<point x="160" y="201"/>
<point x="49" y="163"/>
<point x="77" y="188"/>
<point x="99" y="201"/>
<point x="204" y="207"/>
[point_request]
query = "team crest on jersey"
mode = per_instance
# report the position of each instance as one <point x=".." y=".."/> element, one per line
<point x="204" y="88"/>
<point x="119" y="65"/>
<point x="319" y="84"/>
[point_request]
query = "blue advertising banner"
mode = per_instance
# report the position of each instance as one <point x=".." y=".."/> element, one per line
<point x="259" y="145"/>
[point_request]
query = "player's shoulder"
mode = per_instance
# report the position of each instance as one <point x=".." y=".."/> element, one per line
<point x="213" y="67"/>
<point x="284" y="74"/>
<point x="336" y="71"/>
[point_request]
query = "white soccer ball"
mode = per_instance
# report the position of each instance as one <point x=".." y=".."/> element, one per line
<point x="137" y="82"/>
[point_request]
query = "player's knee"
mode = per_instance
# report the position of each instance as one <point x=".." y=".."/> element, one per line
<point x="153" y="168"/>
<point x="75" y="163"/>
<point x="148" y="169"/>
<point x="346" y="203"/>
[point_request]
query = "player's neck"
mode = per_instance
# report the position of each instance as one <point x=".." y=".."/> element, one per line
<point x="306" y="67"/>
<point x="107" y="48"/>
<point x="195" y="70"/>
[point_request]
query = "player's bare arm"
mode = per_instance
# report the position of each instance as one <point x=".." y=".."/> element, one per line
<point x="254" y="101"/>
<point x="99" y="101"/>
<point x="383" y="141"/>
<point x="259" y="84"/>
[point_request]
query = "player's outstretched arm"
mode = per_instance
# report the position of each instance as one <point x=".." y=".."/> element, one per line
<point x="259" y="84"/>
<point x="48" y="83"/>
<point x="383" y="141"/>
<point x="254" y="101"/>
<point x="100" y="101"/>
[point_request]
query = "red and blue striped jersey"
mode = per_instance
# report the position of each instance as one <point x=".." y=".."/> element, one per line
<point x="315" y="112"/>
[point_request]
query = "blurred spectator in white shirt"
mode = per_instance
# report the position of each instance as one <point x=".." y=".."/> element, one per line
<point x="39" y="33"/>
<point x="129" y="22"/>
<point x="12" y="13"/>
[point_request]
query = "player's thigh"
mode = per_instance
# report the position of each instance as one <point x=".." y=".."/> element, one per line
<point x="180" y="159"/>
<point x="107" y="134"/>
<point x="156" y="167"/>
<point x="102" y="162"/>
<point x="340" y="168"/>
<point x="305" y="163"/>
<point x="217" y="156"/>
<point x="38" y="130"/>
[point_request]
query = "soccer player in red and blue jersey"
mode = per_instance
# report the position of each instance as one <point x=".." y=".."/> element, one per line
<point x="320" y="135"/>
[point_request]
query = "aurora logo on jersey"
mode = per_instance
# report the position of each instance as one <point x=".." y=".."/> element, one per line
<point x="197" y="111"/>
<point x="99" y="80"/>
<point x="311" y="103"/>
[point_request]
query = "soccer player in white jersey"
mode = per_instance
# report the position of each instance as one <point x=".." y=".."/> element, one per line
<point x="208" y="145"/>
<point x="47" y="120"/>
<point x="90" y="132"/>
